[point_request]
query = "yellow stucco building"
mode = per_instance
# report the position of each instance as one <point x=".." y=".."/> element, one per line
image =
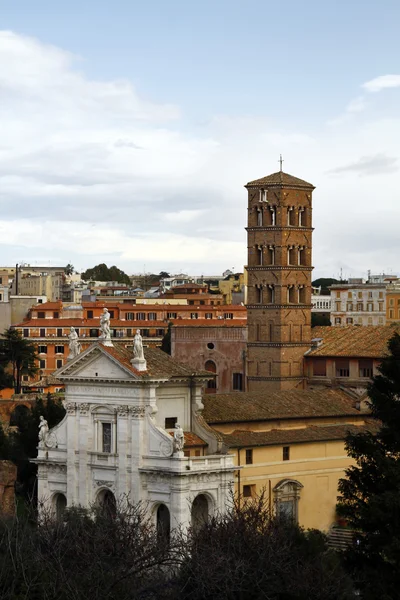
<point x="291" y="447"/>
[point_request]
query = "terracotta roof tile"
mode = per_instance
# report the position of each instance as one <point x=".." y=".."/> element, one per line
<point x="281" y="179"/>
<point x="159" y="364"/>
<point x="264" y="406"/>
<point x="322" y="433"/>
<point x="351" y="340"/>
<point x="191" y="439"/>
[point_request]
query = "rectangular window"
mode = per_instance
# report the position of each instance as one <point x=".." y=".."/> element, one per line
<point x="41" y="315"/>
<point x="59" y="349"/>
<point x="365" y="366"/>
<point x="146" y="333"/>
<point x="209" y="315"/>
<point x="94" y="333"/>
<point x="56" y="315"/>
<point x="228" y="315"/>
<point x="42" y="363"/>
<point x="42" y="332"/>
<point x="42" y="349"/>
<point x="337" y="294"/>
<point x="159" y="332"/>
<point x="90" y="314"/>
<point x="26" y="332"/>
<point x="59" y="363"/>
<point x="380" y="294"/>
<point x="194" y="315"/>
<point x="391" y="302"/>
<point x="171" y="315"/>
<point x="249" y="456"/>
<point x="152" y="317"/>
<point x="349" y="307"/>
<point x="338" y="320"/>
<point x="129" y="333"/>
<point x="338" y="306"/>
<point x="369" y="294"/>
<point x="349" y="321"/>
<point x="140" y="316"/>
<point x="319" y="367"/>
<point x="111" y="314"/>
<point x="170" y="422"/>
<point x="25" y="377"/>
<point x="238" y="381"/>
<point x="249" y="491"/>
<point x="360" y="306"/>
<point x="286" y="453"/>
<point x="391" y="313"/>
<point x="130" y="316"/>
<point x="59" y="332"/>
<point x="342" y="368"/>
<point x="106" y="437"/>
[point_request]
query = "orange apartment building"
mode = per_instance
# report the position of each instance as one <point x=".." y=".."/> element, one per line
<point x="48" y="325"/>
<point x="393" y="303"/>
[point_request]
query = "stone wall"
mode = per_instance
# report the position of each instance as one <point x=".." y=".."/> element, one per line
<point x="8" y="475"/>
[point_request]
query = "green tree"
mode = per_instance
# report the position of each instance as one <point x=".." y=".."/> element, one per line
<point x="17" y="357"/>
<point x="370" y="493"/>
<point x="325" y="282"/>
<point x="69" y="269"/>
<point x="247" y="555"/>
<point x="163" y="274"/>
<point x="102" y="273"/>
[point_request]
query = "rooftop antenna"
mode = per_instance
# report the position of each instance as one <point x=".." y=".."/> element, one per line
<point x="280" y="162"/>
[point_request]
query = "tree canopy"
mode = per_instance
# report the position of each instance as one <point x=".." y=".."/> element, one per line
<point x="370" y="493"/>
<point x="103" y="273"/>
<point x="69" y="269"/>
<point x="325" y="282"/>
<point x="17" y="357"/>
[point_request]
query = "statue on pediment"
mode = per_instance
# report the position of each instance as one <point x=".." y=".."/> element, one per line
<point x="138" y="346"/>
<point x="74" y="344"/>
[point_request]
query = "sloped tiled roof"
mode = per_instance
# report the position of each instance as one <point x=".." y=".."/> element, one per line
<point x="191" y="439"/>
<point x="321" y="433"/>
<point x="288" y="404"/>
<point x="351" y="340"/>
<point x="281" y="179"/>
<point x="159" y="364"/>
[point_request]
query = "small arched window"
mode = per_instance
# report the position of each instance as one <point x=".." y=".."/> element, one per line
<point x="287" y="496"/>
<point x="211" y="383"/>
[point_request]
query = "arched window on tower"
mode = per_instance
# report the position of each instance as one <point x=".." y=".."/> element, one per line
<point x="271" y="255"/>
<point x="259" y="217"/>
<point x="291" y="294"/>
<point x="272" y="210"/>
<point x="291" y="255"/>
<point x="259" y="254"/>
<point x="302" y="215"/>
<point x="302" y="294"/>
<point x="259" y="293"/>
<point x="291" y="215"/>
<point x="270" y="294"/>
<point x="302" y="256"/>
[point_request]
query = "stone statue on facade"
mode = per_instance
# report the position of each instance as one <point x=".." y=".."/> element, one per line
<point x="138" y="346"/>
<point x="179" y="439"/>
<point x="74" y="345"/>
<point x="105" y="331"/>
<point x="138" y="361"/>
<point x="43" y="430"/>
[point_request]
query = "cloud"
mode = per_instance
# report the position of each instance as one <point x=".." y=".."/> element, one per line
<point x="381" y="83"/>
<point x="91" y="172"/>
<point x="370" y="165"/>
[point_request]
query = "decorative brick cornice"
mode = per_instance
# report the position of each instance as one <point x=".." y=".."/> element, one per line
<point x="291" y="378"/>
<point x="278" y="228"/>
<point x="279" y="268"/>
<point x="279" y="344"/>
<point x="275" y="306"/>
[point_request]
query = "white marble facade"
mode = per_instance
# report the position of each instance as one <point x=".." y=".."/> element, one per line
<point x="112" y="444"/>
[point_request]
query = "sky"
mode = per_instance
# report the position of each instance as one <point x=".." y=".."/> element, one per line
<point x="128" y="129"/>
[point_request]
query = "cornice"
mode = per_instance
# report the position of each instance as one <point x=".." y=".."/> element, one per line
<point x="289" y="378"/>
<point x="279" y="344"/>
<point x="279" y="228"/>
<point x="279" y="268"/>
<point x="275" y="306"/>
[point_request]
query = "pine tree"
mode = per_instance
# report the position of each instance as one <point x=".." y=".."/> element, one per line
<point x="370" y="494"/>
<point x="17" y="357"/>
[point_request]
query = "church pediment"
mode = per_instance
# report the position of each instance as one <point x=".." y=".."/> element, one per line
<point x="95" y="363"/>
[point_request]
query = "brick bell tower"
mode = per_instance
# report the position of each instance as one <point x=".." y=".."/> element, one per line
<point x="279" y="235"/>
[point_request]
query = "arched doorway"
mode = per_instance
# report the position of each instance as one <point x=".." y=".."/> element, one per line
<point x="60" y="504"/>
<point x="107" y="503"/>
<point x="211" y="383"/>
<point x="163" y="522"/>
<point x="200" y="511"/>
